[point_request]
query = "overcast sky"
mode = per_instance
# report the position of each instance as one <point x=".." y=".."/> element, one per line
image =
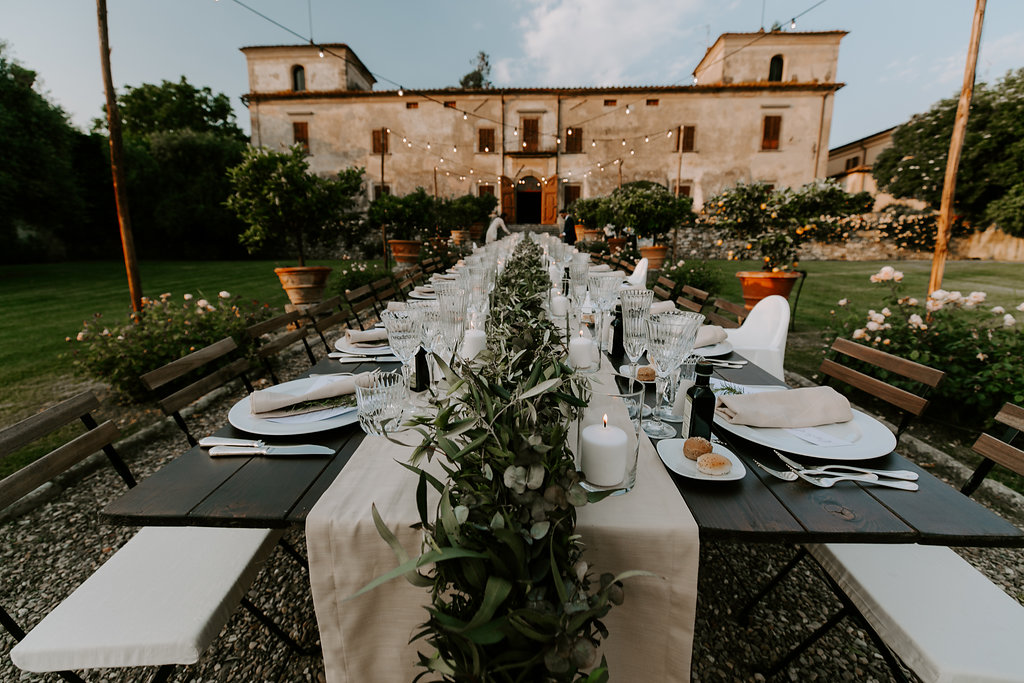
<point x="899" y="58"/>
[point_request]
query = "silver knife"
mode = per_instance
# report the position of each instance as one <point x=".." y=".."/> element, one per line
<point x="305" y="449"/>
<point x="210" y="441"/>
<point x="905" y="475"/>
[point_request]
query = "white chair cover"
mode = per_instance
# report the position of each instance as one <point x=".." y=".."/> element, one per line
<point x="762" y="336"/>
<point x="639" y="276"/>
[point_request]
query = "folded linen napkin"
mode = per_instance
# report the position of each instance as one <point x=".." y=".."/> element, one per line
<point x="804" y="407"/>
<point x="600" y="268"/>
<point x="367" y="339"/>
<point x="662" y="307"/>
<point x="279" y="400"/>
<point x="397" y="306"/>
<point x="709" y="335"/>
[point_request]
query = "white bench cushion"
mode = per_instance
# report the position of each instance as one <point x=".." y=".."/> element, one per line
<point x="161" y="599"/>
<point x="940" y="615"/>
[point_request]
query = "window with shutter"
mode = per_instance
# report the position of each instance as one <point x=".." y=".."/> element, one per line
<point x="380" y="140"/>
<point x="381" y="189"/>
<point x="485" y="190"/>
<point x="852" y="162"/>
<point x="771" y="132"/>
<point x="570" y="193"/>
<point x="610" y="103"/>
<point x="485" y="140"/>
<point x="775" y="69"/>
<point x="689" y="138"/>
<point x="298" y="78"/>
<point x="531" y="134"/>
<point x="574" y="141"/>
<point x="300" y="134"/>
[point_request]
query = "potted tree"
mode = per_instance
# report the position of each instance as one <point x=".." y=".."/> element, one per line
<point x="651" y="211"/>
<point x="406" y="219"/>
<point x="285" y="206"/>
<point x="776" y="223"/>
<point x="589" y="217"/>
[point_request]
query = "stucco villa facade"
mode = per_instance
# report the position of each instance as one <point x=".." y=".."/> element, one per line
<point x="759" y="109"/>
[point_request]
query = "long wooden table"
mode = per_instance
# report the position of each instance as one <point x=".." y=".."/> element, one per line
<point x="198" y="490"/>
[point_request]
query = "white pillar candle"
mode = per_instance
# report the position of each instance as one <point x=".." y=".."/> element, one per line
<point x="555" y="274"/>
<point x="559" y="305"/>
<point x="473" y="343"/>
<point x="581" y="352"/>
<point x="604" y="454"/>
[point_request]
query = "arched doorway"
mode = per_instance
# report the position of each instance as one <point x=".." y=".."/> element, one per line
<point x="527" y="200"/>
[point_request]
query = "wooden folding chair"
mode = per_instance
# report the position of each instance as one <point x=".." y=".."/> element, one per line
<point x="845" y="353"/>
<point x="159" y="601"/>
<point x="276" y="335"/>
<point x="431" y="265"/>
<point x="178" y="372"/>
<point x="891" y="591"/>
<point x="330" y="313"/>
<point x="410" y="277"/>
<point x="725" y="313"/>
<point x="363" y="303"/>
<point x="384" y="290"/>
<point x="663" y="288"/>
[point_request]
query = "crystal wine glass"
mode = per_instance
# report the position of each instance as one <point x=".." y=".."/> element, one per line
<point x="670" y="338"/>
<point x="636" y="308"/>
<point x="403" y="336"/>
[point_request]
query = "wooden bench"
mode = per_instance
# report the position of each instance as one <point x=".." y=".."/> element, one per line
<point x="158" y="601"/>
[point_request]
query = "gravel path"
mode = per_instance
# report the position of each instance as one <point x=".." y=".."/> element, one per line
<point x="54" y="546"/>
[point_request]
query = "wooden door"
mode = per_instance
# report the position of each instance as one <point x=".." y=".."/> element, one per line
<point x="508" y="199"/>
<point x="549" y="202"/>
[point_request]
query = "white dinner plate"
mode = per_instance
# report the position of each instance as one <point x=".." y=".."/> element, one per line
<point x="671" y="453"/>
<point x="343" y="346"/>
<point x="868" y="438"/>
<point x="714" y="350"/>
<point x="240" y="416"/>
<point x="624" y="371"/>
<point x="422" y="297"/>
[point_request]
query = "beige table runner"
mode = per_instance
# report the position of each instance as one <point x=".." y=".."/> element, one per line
<point x="366" y="639"/>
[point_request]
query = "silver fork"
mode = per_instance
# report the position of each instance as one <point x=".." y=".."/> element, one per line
<point x="784" y="476"/>
<point x="905" y="475"/>
<point x="827" y="482"/>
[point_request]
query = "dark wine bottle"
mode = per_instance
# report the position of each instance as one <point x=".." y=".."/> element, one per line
<point x="702" y="402"/>
<point x="618" y="352"/>
<point x="422" y="379"/>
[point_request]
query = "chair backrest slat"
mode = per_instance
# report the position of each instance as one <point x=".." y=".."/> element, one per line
<point x="689" y="304"/>
<point x="273" y="324"/>
<point x="186" y="364"/>
<point x="181" y="398"/>
<point x="887" y="361"/>
<point x="1012" y="416"/>
<point x="1000" y="453"/>
<point x="902" y="399"/>
<point x="41" y="424"/>
<point x="56" y="462"/>
<point x="660" y="293"/>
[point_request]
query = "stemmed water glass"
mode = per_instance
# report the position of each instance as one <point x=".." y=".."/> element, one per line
<point x="636" y="308"/>
<point x="403" y="336"/>
<point x="670" y="338"/>
<point x="604" y="289"/>
<point x="451" y="305"/>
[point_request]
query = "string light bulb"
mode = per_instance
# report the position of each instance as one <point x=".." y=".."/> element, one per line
<point x="465" y="116"/>
<point x="669" y="134"/>
<point x="455" y="149"/>
<point x="487" y="149"/>
<point x="515" y="131"/>
<point x="647" y="138"/>
<point x="695" y="79"/>
<point x="593" y="143"/>
<point x="428" y="145"/>
<point x="623" y="142"/>
<point x="568" y="131"/>
<point x="792" y="23"/>
<point x="401" y="91"/>
<point x="321" y="53"/>
<point x="558" y="141"/>
<point x="627" y="109"/>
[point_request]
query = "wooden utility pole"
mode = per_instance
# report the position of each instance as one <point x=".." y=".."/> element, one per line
<point x="956" y="143"/>
<point x="131" y="264"/>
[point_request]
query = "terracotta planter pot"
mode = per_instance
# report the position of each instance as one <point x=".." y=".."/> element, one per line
<point x="406" y="251"/>
<point x="655" y="255"/>
<point x="616" y="244"/>
<point x="461" y="236"/>
<point x="581" y="233"/>
<point x="593" y="235"/>
<point x="476" y="231"/>
<point x="757" y="284"/>
<point x="304" y="285"/>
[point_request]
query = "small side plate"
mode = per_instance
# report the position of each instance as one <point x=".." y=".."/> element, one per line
<point x="671" y="453"/>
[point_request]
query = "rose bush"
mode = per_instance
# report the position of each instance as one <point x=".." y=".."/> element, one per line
<point x="978" y="346"/>
<point x="117" y="352"/>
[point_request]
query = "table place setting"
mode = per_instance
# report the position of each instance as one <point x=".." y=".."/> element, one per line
<point x="302" y="406"/>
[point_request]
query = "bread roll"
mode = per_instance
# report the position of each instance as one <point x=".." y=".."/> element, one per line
<point x="645" y="373"/>
<point x="696" y="446"/>
<point x="714" y="464"/>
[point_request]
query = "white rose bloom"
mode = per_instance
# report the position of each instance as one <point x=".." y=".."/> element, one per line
<point x="976" y="297"/>
<point x="932" y="305"/>
<point x="188" y="297"/>
<point x="915" y="320"/>
<point x="897" y="276"/>
<point x="224" y="294"/>
<point x="886" y="273"/>
<point x="843" y="302"/>
<point x="1009" y="320"/>
<point x="859" y="333"/>
<point x="912" y="301"/>
<point x="981" y="356"/>
<point x="873" y="326"/>
<point x="1020" y="306"/>
<point x="939" y="295"/>
<point x="886" y="312"/>
<point x="878" y="318"/>
<point x="203" y="303"/>
<point x="998" y="310"/>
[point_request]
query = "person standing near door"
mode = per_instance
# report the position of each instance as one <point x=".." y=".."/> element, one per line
<point x="492" y="230"/>
<point x="569" y="231"/>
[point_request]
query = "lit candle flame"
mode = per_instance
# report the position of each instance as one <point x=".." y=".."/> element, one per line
<point x="606" y="421"/>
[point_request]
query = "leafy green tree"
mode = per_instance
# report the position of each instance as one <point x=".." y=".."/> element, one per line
<point x="991" y="162"/>
<point x="648" y="208"/>
<point x="286" y="206"/>
<point x="479" y="77"/>
<point x="406" y="218"/>
<point x="150" y="108"/>
<point x="39" y="195"/>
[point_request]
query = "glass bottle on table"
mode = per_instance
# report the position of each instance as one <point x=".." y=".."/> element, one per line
<point x="702" y="402"/>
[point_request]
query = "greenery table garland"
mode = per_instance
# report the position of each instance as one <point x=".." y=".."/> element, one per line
<point x="512" y="598"/>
